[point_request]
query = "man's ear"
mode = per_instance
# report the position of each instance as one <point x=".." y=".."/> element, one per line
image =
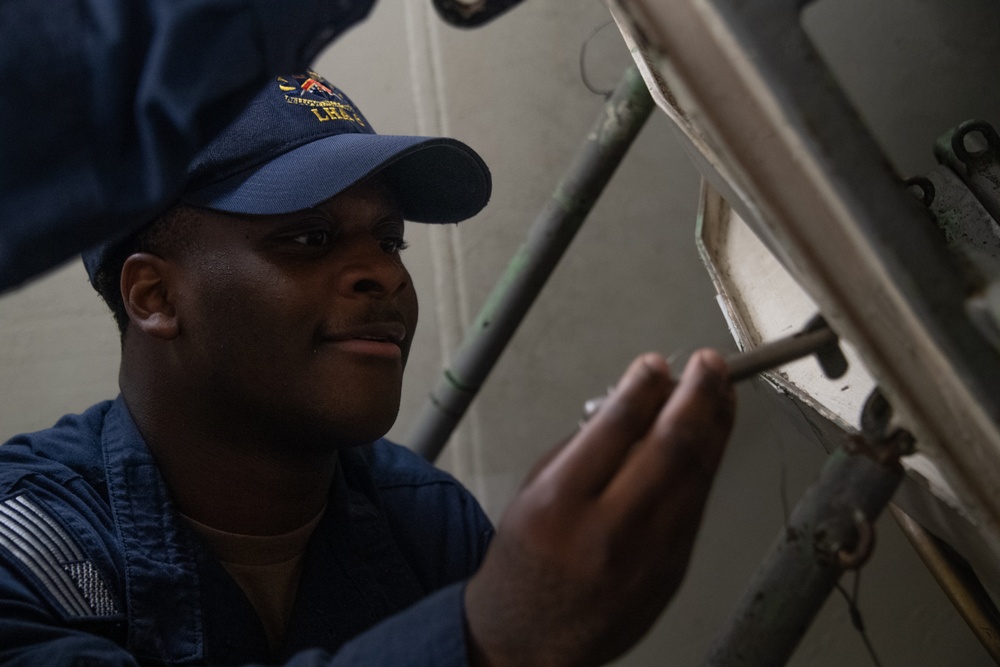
<point x="147" y="290"/>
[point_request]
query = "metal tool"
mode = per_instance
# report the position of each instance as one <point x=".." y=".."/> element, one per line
<point x="816" y="337"/>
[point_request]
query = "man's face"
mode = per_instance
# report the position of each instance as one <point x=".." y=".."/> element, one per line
<point x="300" y="324"/>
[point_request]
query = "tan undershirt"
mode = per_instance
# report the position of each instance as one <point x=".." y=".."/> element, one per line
<point x="266" y="567"/>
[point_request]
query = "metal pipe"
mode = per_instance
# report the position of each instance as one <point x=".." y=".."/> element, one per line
<point x="474" y="13"/>
<point x="830" y="530"/>
<point x="617" y="125"/>
<point x="957" y="581"/>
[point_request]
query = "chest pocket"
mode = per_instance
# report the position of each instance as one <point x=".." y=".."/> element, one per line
<point x="46" y="551"/>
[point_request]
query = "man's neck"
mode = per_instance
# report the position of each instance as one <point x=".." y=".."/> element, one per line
<point x="235" y="483"/>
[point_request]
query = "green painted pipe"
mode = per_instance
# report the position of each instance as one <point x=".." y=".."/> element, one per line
<point x="830" y="530"/>
<point x="617" y="125"/>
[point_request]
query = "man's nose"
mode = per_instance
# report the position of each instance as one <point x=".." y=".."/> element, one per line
<point x="370" y="270"/>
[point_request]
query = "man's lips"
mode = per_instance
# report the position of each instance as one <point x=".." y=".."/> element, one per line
<point x="376" y="332"/>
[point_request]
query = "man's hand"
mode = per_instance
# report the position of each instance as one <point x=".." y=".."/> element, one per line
<point x="596" y="543"/>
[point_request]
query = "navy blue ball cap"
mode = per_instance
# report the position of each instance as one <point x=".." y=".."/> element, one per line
<point x="436" y="180"/>
<point x="301" y="141"/>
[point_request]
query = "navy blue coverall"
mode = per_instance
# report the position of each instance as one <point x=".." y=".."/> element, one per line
<point x="97" y="567"/>
<point x="106" y="101"/>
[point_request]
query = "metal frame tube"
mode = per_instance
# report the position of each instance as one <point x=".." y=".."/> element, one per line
<point x="864" y="249"/>
<point x="617" y="125"/>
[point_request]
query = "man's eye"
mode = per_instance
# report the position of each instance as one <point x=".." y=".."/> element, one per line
<point x="313" y="238"/>
<point x="393" y="245"/>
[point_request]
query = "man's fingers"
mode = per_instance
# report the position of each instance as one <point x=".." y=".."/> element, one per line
<point x="675" y="463"/>
<point x="580" y="553"/>
<point x="593" y="455"/>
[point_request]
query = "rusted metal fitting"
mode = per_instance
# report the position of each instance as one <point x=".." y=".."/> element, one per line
<point x="852" y="559"/>
<point x="901" y="442"/>
<point x="881" y="438"/>
<point x="850" y="553"/>
<point x="886" y="451"/>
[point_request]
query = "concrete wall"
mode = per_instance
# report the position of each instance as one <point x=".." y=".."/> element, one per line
<point x="632" y="281"/>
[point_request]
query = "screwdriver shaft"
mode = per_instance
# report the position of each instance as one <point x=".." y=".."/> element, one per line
<point x="776" y="353"/>
<point x="760" y="359"/>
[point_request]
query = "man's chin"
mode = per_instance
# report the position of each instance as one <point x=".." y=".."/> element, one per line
<point x="341" y="431"/>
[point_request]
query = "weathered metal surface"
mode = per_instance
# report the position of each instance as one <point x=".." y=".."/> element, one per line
<point x="972" y="151"/>
<point x="840" y="221"/>
<point x="617" y="125"/>
<point x="968" y="227"/>
<point x="474" y="13"/>
<point x="972" y="233"/>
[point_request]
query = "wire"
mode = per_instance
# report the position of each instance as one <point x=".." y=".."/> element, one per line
<point x="583" y="68"/>
<point x="855" y="613"/>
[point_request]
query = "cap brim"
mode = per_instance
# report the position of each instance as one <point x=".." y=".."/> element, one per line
<point x="436" y="179"/>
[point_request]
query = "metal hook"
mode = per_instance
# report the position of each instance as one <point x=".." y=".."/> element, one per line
<point x="852" y="559"/>
<point x="926" y="187"/>
<point x="975" y="158"/>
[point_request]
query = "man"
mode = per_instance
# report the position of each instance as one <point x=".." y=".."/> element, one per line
<point x="236" y="504"/>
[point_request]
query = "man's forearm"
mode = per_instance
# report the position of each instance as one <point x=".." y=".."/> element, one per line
<point x="108" y="100"/>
